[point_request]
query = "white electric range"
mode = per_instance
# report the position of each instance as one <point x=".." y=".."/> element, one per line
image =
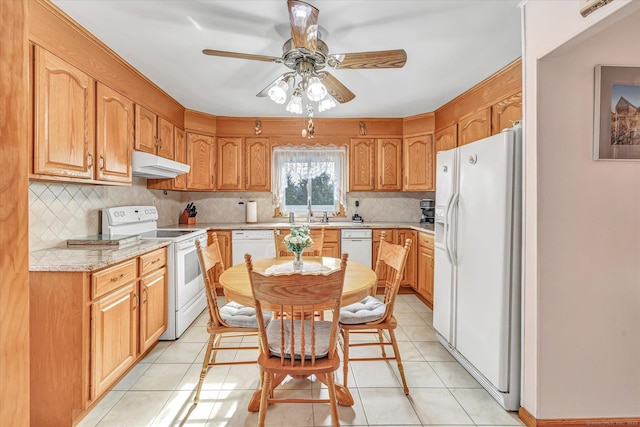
<point x="186" y="295"/>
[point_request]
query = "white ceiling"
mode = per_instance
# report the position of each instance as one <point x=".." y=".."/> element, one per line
<point x="451" y="45"/>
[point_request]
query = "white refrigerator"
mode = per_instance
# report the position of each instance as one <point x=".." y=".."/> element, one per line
<point x="478" y="257"/>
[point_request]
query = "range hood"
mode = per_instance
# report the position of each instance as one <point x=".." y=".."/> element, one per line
<point x="147" y="165"/>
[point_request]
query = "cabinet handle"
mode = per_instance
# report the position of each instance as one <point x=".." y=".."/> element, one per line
<point x="146" y="292"/>
<point x="380" y="180"/>
<point x="405" y="180"/>
<point x="157" y="141"/>
<point x="161" y="143"/>
<point x="155" y="260"/>
<point x="115" y="279"/>
<point x="136" y="297"/>
<point x="90" y="159"/>
<point x="101" y="162"/>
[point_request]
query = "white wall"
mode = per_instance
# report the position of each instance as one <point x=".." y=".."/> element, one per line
<point x="582" y="234"/>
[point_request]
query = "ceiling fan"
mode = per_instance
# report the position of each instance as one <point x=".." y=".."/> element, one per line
<point x="307" y="55"/>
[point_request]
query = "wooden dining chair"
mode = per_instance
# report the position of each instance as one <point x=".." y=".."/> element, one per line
<point x="314" y="250"/>
<point x="232" y="320"/>
<point x="375" y="316"/>
<point x="292" y="345"/>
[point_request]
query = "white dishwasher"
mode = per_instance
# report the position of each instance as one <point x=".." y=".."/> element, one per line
<point x="259" y="243"/>
<point x="357" y="243"/>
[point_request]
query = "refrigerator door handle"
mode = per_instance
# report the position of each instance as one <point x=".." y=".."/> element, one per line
<point x="449" y="241"/>
<point x="446" y="228"/>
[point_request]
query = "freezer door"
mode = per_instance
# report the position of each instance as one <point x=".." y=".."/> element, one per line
<point x="483" y="243"/>
<point x="444" y="276"/>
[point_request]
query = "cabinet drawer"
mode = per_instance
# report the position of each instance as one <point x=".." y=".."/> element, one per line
<point x="153" y="260"/>
<point x="425" y="240"/>
<point x="112" y="278"/>
<point x="331" y="235"/>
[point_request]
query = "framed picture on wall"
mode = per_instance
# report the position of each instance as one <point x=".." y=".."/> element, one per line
<point x="616" y="113"/>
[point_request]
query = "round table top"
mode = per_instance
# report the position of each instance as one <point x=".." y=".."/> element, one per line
<point x="359" y="280"/>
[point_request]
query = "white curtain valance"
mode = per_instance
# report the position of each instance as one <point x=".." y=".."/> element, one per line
<point x="320" y="159"/>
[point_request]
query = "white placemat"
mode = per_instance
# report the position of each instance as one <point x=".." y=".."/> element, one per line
<point x="287" y="268"/>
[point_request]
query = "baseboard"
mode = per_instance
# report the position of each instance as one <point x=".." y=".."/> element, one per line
<point x="530" y="421"/>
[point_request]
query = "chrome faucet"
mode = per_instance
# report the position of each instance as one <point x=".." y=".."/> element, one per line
<point x="309" y="212"/>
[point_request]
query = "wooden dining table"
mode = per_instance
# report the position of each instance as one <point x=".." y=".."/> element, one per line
<point x="359" y="282"/>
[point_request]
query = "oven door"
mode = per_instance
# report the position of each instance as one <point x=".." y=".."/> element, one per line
<point x="189" y="283"/>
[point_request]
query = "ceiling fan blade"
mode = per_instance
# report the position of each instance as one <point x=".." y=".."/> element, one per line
<point x="378" y="59"/>
<point x="304" y="24"/>
<point x="336" y="89"/>
<point x="241" y="55"/>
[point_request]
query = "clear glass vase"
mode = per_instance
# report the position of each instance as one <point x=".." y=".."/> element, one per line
<point x="297" y="261"/>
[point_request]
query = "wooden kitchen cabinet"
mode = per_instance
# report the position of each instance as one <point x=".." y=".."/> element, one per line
<point x="362" y="158"/>
<point x="86" y="331"/>
<point x="390" y="237"/>
<point x="418" y="163"/>
<point x="409" y="274"/>
<point x="153" y="297"/>
<point x="331" y="243"/>
<point x="230" y="164"/>
<point x="114" y="136"/>
<point x="114" y="337"/>
<point x="180" y="146"/>
<point x="244" y="164"/>
<point x="224" y="242"/>
<point x="257" y="164"/>
<point x="474" y="126"/>
<point x="389" y="164"/>
<point x="153" y="134"/>
<point x="375" y="164"/>
<point x="446" y="138"/>
<point x="425" y="265"/>
<point x="64" y="118"/>
<point x="505" y="112"/>
<point x="201" y="159"/>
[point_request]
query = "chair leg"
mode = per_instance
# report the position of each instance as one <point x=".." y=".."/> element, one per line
<point x="345" y="361"/>
<point x="264" y="398"/>
<point x="203" y="372"/>
<point x="333" y="399"/>
<point x="216" y="344"/>
<point x="381" y="341"/>
<point x="394" y="343"/>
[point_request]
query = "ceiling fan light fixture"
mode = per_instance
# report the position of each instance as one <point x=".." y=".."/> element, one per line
<point x="278" y="92"/>
<point x="295" y="103"/>
<point x="316" y="90"/>
<point x="326" y="103"/>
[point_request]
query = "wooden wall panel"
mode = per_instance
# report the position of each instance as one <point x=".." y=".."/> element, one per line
<point x="14" y="218"/>
<point x="292" y="127"/>
<point x="505" y="82"/>
<point x="50" y="28"/>
<point x="202" y="123"/>
<point x="418" y="125"/>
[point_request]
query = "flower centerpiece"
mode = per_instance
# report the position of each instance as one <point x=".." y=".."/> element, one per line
<point x="297" y="241"/>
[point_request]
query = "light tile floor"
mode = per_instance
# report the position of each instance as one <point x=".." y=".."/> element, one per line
<point x="159" y="390"/>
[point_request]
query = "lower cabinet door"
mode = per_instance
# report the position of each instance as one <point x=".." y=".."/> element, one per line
<point x="153" y="307"/>
<point x="114" y="337"/>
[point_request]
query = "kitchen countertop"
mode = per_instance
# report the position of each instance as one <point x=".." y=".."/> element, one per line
<point x="87" y="259"/>
<point x="428" y="228"/>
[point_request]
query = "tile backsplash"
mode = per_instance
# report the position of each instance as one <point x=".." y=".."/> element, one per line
<point x="60" y="211"/>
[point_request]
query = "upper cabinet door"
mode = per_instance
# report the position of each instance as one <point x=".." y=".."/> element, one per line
<point x="165" y="139"/>
<point x="418" y="163"/>
<point x="230" y="164"/>
<point x="146" y="130"/>
<point x="64" y="122"/>
<point x="474" y="126"/>
<point x="446" y="138"/>
<point x="505" y="112"/>
<point x="115" y="119"/>
<point x="258" y="164"/>
<point x="362" y="165"/>
<point x="389" y="164"/>
<point x="180" y="146"/>
<point x="201" y="158"/>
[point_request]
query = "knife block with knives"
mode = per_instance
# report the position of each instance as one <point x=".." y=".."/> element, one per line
<point x="188" y="216"/>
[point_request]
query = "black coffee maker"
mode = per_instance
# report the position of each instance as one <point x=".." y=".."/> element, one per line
<point x="427" y="206"/>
